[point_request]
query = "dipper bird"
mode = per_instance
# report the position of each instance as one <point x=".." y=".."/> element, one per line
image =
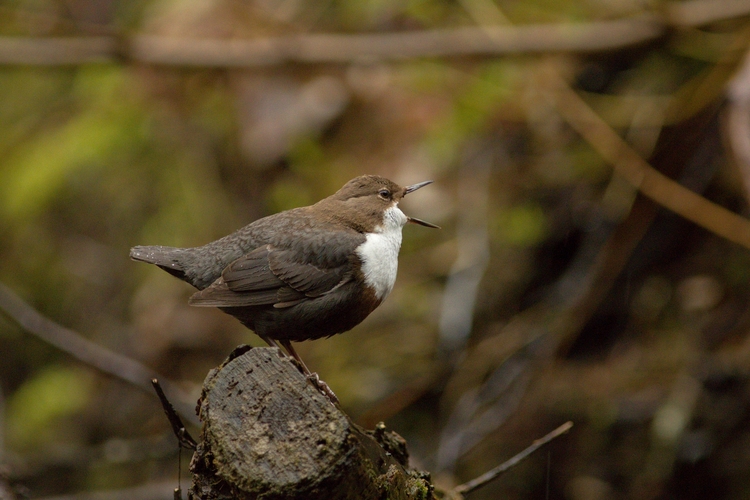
<point x="304" y="273"/>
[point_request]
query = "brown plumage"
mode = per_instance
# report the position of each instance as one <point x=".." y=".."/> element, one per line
<point x="301" y="274"/>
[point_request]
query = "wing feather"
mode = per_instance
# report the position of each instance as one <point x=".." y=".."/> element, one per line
<point x="251" y="272"/>
<point x="270" y="276"/>
<point x="218" y="294"/>
<point x="305" y="278"/>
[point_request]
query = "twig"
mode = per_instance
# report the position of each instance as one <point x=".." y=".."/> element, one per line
<point x="182" y="435"/>
<point x="637" y="171"/>
<point x="738" y="121"/>
<point x="335" y="48"/>
<point x="493" y="474"/>
<point x="88" y="352"/>
<point x="58" y="51"/>
<point x="595" y="36"/>
<point x="482" y="410"/>
<point x="700" y="12"/>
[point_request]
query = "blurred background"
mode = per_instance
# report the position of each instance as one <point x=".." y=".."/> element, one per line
<point x="555" y="290"/>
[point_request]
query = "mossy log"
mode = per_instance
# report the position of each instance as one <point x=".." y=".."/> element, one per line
<point x="268" y="433"/>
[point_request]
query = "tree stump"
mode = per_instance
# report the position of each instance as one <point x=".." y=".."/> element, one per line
<point x="268" y="433"/>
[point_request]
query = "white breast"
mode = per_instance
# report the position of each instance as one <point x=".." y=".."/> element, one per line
<point x="379" y="253"/>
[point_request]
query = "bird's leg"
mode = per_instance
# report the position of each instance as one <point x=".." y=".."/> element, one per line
<point x="271" y="342"/>
<point x="313" y="377"/>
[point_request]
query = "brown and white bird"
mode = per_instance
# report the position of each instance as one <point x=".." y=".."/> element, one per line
<point x="304" y="273"/>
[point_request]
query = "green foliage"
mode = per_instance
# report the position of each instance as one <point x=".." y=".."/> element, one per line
<point x="104" y="128"/>
<point x="475" y="104"/>
<point x="522" y="225"/>
<point x="97" y="158"/>
<point x="37" y="407"/>
<point x="289" y="194"/>
<point x="369" y="12"/>
<point x="428" y="12"/>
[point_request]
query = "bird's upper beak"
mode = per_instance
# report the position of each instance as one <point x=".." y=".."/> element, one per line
<point x="414" y="220"/>
<point x="416" y="186"/>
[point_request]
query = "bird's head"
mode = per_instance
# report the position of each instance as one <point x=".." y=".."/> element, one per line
<point x="376" y="198"/>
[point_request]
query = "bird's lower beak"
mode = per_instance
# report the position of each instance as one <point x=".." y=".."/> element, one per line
<point x="414" y="187"/>
<point x="414" y="220"/>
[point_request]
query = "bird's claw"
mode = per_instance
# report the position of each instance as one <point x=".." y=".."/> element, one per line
<point x="323" y="388"/>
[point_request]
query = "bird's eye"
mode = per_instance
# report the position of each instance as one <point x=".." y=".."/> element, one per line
<point x="385" y="194"/>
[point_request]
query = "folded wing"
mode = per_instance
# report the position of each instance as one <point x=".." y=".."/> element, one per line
<point x="270" y="276"/>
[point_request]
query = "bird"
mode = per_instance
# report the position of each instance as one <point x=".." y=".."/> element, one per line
<point x="301" y="274"/>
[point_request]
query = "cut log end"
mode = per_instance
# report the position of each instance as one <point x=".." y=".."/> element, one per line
<point x="267" y="431"/>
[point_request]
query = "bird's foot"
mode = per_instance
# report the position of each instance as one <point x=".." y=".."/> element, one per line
<point x="311" y="376"/>
<point x="323" y="388"/>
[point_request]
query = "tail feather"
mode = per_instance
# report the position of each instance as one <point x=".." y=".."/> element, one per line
<point x="167" y="258"/>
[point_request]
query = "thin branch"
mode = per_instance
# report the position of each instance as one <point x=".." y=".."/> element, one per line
<point x="595" y="36"/>
<point x="482" y="410"/>
<point x="88" y="352"/>
<point x="57" y="51"/>
<point x="183" y="436"/>
<point x="493" y="474"/>
<point x="701" y="12"/>
<point x="335" y="48"/>
<point x="738" y="121"/>
<point x="637" y="171"/>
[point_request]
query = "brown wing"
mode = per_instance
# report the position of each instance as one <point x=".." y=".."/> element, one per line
<point x="270" y="276"/>
<point x="251" y="272"/>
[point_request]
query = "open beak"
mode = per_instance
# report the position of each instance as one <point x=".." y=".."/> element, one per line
<point x="414" y="220"/>
<point x="416" y="186"/>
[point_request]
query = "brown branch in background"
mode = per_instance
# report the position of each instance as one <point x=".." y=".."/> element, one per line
<point x="700" y="12"/>
<point x="335" y="48"/>
<point x="738" y="121"/>
<point x="594" y="36"/>
<point x="88" y="352"/>
<point x="589" y="37"/>
<point x="554" y="323"/>
<point x="493" y="474"/>
<point x="57" y="51"/>
<point x="634" y="169"/>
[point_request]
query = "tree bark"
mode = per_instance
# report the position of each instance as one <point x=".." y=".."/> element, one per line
<point x="268" y="433"/>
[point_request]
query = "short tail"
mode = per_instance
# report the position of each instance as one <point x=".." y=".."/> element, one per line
<point x="167" y="258"/>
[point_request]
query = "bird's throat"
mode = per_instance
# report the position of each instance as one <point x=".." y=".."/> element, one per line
<point x="379" y="253"/>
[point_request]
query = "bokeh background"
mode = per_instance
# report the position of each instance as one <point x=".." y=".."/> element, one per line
<point x="554" y="291"/>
